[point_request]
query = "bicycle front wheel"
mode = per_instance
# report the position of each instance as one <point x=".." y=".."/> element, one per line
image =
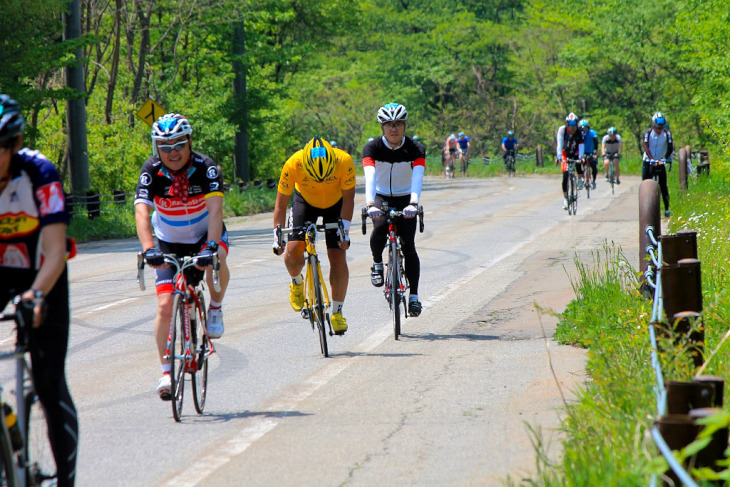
<point x="573" y="208"/>
<point x="8" y="472"/>
<point x="611" y="175"/>
<point x="39" y="461"/>
<point x="177" y="355"/>
<point x="201" y="347"/>
<point x="395" y="296"/>
<point x="318" y="308"/>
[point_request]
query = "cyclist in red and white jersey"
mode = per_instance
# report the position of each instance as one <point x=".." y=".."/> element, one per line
<point x="185" y="189"/>
<point x="33" y="252"/>
<point x="394" y="166"/>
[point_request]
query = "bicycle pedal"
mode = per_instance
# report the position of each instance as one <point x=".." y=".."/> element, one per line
<point x="305" y="313"/>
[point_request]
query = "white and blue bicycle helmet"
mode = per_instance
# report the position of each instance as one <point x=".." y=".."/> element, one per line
<point x="171" y="126"/>
<point x="392" y="112"/>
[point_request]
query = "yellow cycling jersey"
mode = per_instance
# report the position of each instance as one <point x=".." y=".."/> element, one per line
<point x="319" y="195"/>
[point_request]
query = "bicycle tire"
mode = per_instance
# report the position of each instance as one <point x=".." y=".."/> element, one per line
<point x="319" y="310"/>
<point x="8" y="472"/>
<point x="510" y="166"/>
<point x="39" y="460"/>
<point x="573" y="204"/>
<point x="201" y="345"/>
<point x="177" y="359"/>
<point x="611" y="175"/>
<point x="587" y="183"/>
<point x="395" y="298"/>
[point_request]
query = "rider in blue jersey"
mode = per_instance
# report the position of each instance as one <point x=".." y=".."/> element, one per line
<point x="464" y="146"/>
<point x="590" y="147"/>
<point x="509" y="145"/>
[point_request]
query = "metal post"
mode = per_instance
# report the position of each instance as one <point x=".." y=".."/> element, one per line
<point x="683" y="245"/>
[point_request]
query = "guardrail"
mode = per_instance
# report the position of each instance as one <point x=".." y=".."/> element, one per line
<point x="672" y="278"/>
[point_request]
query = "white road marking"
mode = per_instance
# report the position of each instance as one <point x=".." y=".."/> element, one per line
<point x="110" y="305"/>
<point x="206" y="465"/>
<point x="254" y="261"/>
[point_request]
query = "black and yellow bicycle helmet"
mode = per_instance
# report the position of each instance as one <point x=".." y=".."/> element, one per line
<point x="319" y="159"/>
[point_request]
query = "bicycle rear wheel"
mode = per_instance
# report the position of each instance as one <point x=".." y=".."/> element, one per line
<point x="201" y="347"/>
<point x="318" y="308"/>
<point x="395" y="296"/>
<point x="177" y="358"/>
<point x="40" y="464"/>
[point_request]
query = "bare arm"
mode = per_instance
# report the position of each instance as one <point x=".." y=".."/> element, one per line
<point x="144" y="225"/>
<point x="215" y="217"/>
<point x="348" y="204"/>
<point x="282" y="201"/>
<point x="53" y="245"/>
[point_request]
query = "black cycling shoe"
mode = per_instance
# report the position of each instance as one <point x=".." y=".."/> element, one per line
<point x="376" y="276"/>
<point x="414" y="308"/>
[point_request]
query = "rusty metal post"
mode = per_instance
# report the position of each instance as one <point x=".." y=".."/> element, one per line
<point x="715" y="450"/>
<point x="718" y="387"/>
<point x="678" y="431"/>
<point x="683" y="245"/>
<point x="682" y="397"/>
<point x="682" y="287"/>
<point x="648" y="217"/>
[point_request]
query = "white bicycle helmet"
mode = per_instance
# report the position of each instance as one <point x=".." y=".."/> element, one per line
<point x="392" y="112"/>
<point x="658" y="119"/>
<point x="571" y="119"/>
<point x="171" y="126"/>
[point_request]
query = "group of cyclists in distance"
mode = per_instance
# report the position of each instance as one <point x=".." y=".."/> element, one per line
<point x="577" y="141"/>
<point x="179" y="210"/>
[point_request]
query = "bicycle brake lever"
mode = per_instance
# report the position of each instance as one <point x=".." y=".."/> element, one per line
<point x="215" y="273"/>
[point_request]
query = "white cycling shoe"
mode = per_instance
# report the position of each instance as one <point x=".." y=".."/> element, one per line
<point x="215" y="323"/>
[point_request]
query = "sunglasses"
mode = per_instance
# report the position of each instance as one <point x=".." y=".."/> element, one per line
<point x="169" y="148"/>
<point x="394" y="125"/>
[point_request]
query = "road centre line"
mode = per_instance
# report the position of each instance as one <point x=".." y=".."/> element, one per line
<point x="204" y="466"/>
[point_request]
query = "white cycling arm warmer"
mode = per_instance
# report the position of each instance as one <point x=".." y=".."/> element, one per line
<point x="369" y="184"/>
<point x="416" y="183"/>
<point x="581" y="151"/>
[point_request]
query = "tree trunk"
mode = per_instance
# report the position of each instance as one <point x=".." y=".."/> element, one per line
<point x="240" y="111"/>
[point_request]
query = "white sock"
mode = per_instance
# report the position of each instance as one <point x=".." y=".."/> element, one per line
<point x="337" y="307"/>
<point x="165" y="368"/>
<point x="297" y="280"/>
<point x="215" y="304"/>
<point x="378" y="266"/>
<point x="413" y="297"/>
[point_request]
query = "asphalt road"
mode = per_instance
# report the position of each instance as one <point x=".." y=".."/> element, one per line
<point x="448" y="404"/>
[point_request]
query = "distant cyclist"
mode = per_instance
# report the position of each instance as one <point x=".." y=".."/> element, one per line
<point x="394" y="167"/>
<point x="451" y="148"/>
<point x="464" y="146"/>
<point x="569" y="146"/>
<point x="333" y="144"/>
<point x="33" y="246"/>
<point x="658" y="144"/>
<point x="613" y="145"/>
<point x="509" y="146"/>
<point x="322" y="179"/>
<point x="590" y="141"/>
<point x="185" y="189"/>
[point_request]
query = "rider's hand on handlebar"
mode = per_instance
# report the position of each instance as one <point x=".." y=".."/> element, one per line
<point x="32" y="306"/>
<point x="278" y="249"/>
<point x="374" y="212"/>
<point x="410" y="211"/>
<point x="154" y="257"/>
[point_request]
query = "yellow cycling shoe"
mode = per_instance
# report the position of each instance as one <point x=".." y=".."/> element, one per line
<point x="296" y="296"/>
<point x="339" y="324"/>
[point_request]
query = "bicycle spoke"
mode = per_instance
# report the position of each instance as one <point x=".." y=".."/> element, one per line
<point x="201" y="349"/>
<point x="177" y="360"/>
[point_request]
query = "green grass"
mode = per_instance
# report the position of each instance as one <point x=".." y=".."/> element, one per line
<point x="606" y="439"/>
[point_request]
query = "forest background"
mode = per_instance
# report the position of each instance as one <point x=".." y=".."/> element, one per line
<point x="325" y="66"/>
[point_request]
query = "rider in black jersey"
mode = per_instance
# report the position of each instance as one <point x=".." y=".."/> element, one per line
<point x="33" y="246"/>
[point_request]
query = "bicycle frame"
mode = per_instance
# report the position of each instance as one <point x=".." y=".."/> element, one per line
<point x="313" y="267"/>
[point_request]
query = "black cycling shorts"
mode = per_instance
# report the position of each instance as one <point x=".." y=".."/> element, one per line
<point x="304" y="212"/>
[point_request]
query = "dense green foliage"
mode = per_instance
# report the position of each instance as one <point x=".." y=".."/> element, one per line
<point x="316" y="67"/>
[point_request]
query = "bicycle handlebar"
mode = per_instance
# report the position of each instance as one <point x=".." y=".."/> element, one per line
<point x="391" y="214"/>
<point x="23" y="317"/>
<point x="181" y="265"/>
<point x="311" y="229"/>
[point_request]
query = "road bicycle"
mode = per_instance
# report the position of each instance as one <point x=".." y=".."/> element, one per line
<point x="611" y="169"/>
<point x="587" y="174"/>
<point x="572" y="187"/>
<point x="396" y="281"/>
<point x="464" y="161"/>
<point x="509" y="162"/>
<point x="316" y="298"/>
<point x="449" y="166"/>
<point x="188" y="345"/>
<point x="26" y="458"/>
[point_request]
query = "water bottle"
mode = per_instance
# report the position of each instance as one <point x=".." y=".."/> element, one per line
<point x="11" y="421"/>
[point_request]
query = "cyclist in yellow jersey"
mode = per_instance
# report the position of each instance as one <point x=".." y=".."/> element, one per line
<point x="322" y="179"/>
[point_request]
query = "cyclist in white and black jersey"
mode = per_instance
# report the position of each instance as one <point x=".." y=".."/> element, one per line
<point x="394" y="166"/>
<point x="658" y="144"/>
<point x="612" y="144"/>
<point x="569" y="146"/>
